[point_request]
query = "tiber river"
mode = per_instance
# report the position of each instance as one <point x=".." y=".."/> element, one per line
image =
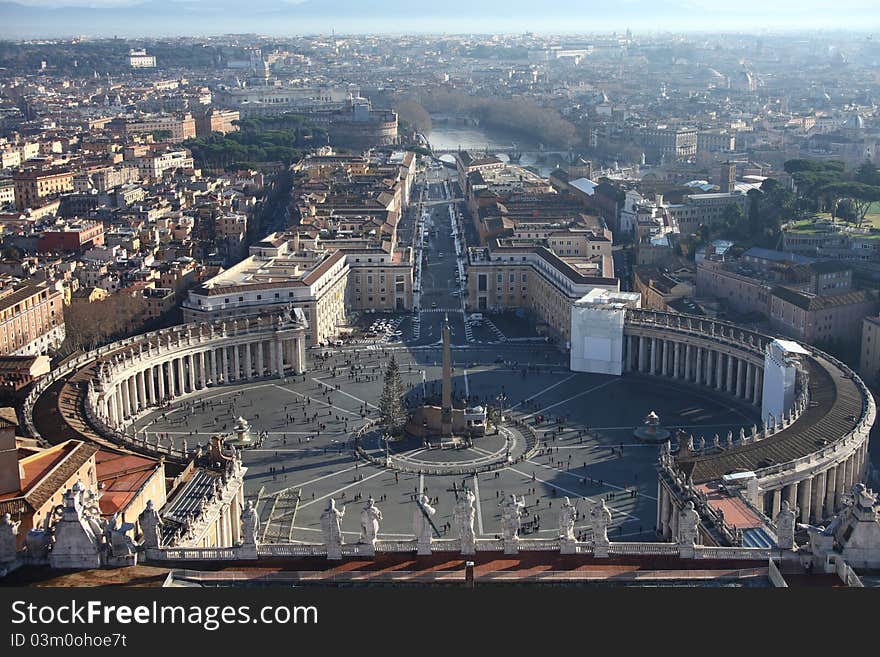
<point x="446" y="135"/>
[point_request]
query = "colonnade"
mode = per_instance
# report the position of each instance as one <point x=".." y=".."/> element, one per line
<point x="159" y="377"/>
<point x="819" y="494"/>
<point x="717" y="368"/>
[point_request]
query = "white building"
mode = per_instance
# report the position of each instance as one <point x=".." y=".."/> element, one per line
<point x="597" y="331"/>
<point x="782" y="360"/>
<point x="140" y="59"/>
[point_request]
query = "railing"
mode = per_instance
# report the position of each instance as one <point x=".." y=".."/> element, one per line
<point x="197" y="554"/>
<point x="291" y="550"/>
<point x="537" y="544"/>
<point x="846" y="574"/>
<point x="395" y="546"/>
<point x="282" y="550"/>
<point x="749" y="553"/>
<point x="649" y="549"/>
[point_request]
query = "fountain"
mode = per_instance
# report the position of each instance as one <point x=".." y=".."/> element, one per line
<point x="651" y="431"/>
<point x="241" y="434"/>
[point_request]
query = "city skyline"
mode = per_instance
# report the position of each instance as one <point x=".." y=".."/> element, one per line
<point x="135" y="18"/>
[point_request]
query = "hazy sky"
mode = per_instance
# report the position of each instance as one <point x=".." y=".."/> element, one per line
<point x="27" y="18"/>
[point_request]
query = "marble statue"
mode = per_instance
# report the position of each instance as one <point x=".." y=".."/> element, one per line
<point x="422" y="527"/>
<point x="511" y="514"/>
<point x="250" y="524"/>
<point x="863" y="497"/>
<point x="8" y="542"/>
<point x="122" y="548"/>
<point x="77" y="531"/>
<point x="370" y="518"/>
<point x="463" y="517"/>
<point x="688" y="522"/>
<point x="567" y="517"/>
<point x="600" y="518"/>
<point x="785" y="521"/>
<point x="151" y="526"/>
<point x="332" y="529"/>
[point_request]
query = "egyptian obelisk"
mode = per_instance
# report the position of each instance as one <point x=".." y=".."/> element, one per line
<point x="446" y="401"/>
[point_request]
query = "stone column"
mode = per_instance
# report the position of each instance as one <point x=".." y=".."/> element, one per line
<point x="279" y="354"/>
<point x="709" y="370"/>
<point x="236" y="367"/>
<point x="847" y="474"/>
<point x="212" y="356"/>
<point x="792" y="496"/>
<point x="719" y="371"/>
<point x="805" y="489"/>
<point x="730" y="366"/>
<point x="749" y="385"/>
<point x="261" y="358"/>
<point x="111" y="408"/>
<point x="777" y="502"/>
<point x="181" y="380"/>
<point x="273" y="359"/>
<point x="132" y="394"/>
<point x="191" y="361"/>
<point x="830" y="490"/>
<point x="300" y="355"/>
<point x="676" y="359"/>
<point x="630" y="348"/>
<point x="687" y="362"/>
<point x="698" y="366"/>
<point x="203" y="371"/>
<point x="141" y="389"/>
<point x="839" y="485"/>
<point x="757" y="393"/>
<point x="859" y="465"/>
<point x="818" y="496"/>
<point x="154" y="392"/>
<point x="225" y="361"/>
<point x="643" y="354"/>
<point x="126" y="403"/>
<point x="160" y="379"/>
<point x="247" y="361"/>
<point x="654" y="354"/>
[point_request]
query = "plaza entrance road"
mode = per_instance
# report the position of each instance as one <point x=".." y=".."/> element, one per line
<point x="307" y="454"/>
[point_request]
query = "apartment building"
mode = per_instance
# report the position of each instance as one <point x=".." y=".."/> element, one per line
<point x="178" y="127"/>
<point x="817" y="319"/>
<point x="509" y="275"/>
<point x="34" y="186"/>
<point x="869" y="360"/>
<point x="216" y="120"/>
<point x="380" y="281"/>
<point x="273" y="276"/>
<point x="151" y="165"/>
<point x="31" y="319"/>
<point x="660" y="289"/>
<point x="71" y="236"/>
<point x="697" y="210"/>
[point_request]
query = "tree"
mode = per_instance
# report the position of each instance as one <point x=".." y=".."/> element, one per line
<point x="391" y="407"/>
<point x="858" y="197"/>
<point x="868" y="174"/>
<point x="735" y="226"/>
